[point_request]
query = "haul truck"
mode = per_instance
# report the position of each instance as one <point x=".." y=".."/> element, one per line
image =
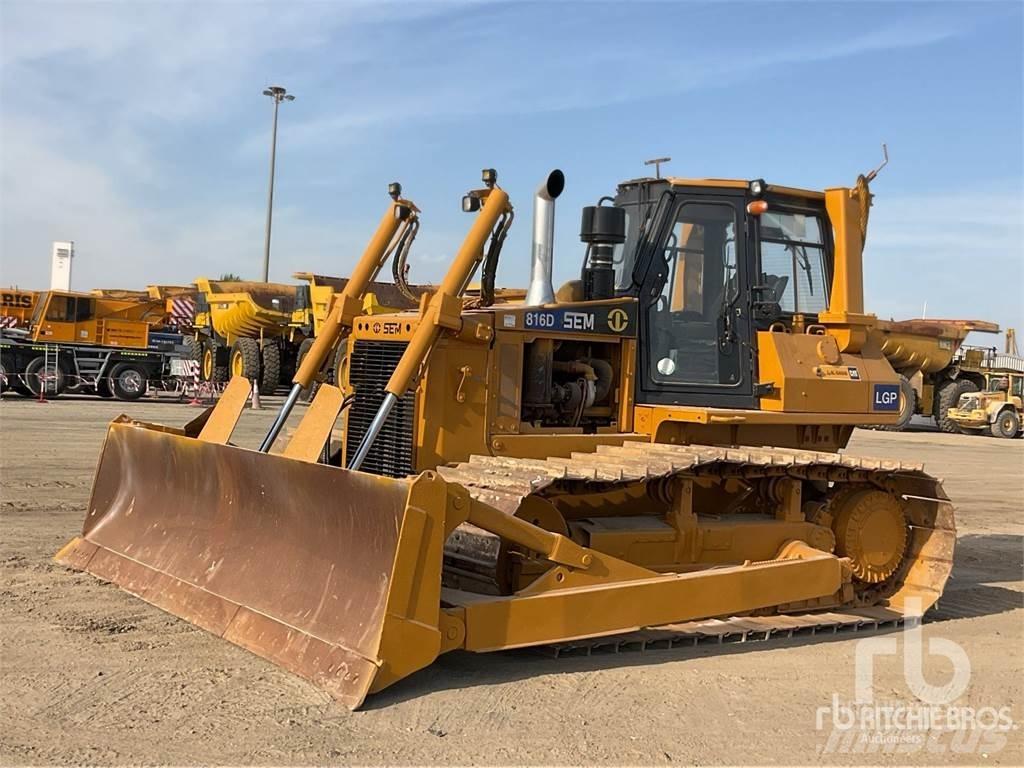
<point x="934" y="372"/>
<point x="247" y="329"/>
<point x="84" y="343"/>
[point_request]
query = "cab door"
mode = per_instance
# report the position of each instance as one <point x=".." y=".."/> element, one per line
<point x="697" y="346"/>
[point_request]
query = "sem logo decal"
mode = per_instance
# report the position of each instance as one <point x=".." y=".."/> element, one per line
<point x="578" y="321"/>
<point x="599" y="320"/>
<point x="618" y="320"/>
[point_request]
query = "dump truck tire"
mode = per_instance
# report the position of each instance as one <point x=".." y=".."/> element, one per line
<point x="270" y="378"/>
<point x="908" y="404"/>
<point x="128" y="381"/>
<point x="1006" y="424"/>
<point x="34" y="372"/>
<point x="245" y="359"/>
<point x="338" y="363"/>
<point x="948" y="396"/>
<point x="208" y="368"/>
<point x="309" y="392"/>
<point x="193" y="349"/>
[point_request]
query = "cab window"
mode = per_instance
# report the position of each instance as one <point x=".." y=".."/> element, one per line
<point x="701" y="284"/>
<point x="623" y="255"/>
<point x="83" y="309"/>
<point x="793" y="261"/>
<point x="69" y="309"/>
<point x="58" y="310"/>
<point x="39" y="308"/>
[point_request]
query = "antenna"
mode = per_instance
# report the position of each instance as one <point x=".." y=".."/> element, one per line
<point x="656" y="162"/>
<point x="885" y="152"/>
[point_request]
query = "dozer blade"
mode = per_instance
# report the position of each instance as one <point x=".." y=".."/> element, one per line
<point x="289" y="559"/>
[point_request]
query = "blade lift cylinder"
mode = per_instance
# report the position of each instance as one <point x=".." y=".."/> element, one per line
<point x="397" y="227"/>
<point x="494" y="208"/>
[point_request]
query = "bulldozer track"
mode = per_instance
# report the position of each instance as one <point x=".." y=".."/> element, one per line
<point x="504" y="483"/>
<point x="737" y="629"/>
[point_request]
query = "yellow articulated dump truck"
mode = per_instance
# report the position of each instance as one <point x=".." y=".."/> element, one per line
<point x="649" y="454"/>
<point x="247" y="329"/>
<point x="935" y="369"/>
<point x="262" y="331"/>
<point x="319" y="293"/>
<point x="998" y="408"/>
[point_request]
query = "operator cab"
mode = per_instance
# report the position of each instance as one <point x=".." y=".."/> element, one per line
<point x="712" y="262"/>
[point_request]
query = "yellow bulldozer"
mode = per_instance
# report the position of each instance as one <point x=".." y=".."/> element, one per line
<point x="649" y="454"/>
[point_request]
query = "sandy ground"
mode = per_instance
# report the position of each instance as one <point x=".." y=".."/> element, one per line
<point x="92" y="675"/>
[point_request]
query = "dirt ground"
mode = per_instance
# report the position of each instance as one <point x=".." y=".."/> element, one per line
<point x="89" y="674"/>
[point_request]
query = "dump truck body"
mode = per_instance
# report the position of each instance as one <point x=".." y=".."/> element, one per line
<point x="246" y="309"/>
<point x="930" y="357"/>
<point x="617" y="461"/>
<point x="248" y="329"/>
<point x="381" y="297"/>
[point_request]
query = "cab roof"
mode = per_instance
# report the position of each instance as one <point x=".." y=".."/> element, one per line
<point x="678" y="181"/>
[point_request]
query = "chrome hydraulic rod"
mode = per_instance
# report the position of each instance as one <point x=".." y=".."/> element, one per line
<point x="371" y="434"/>
<point x="493" y="206"/>
<point x="399" y="225"/>
<point x="282" y="417"/>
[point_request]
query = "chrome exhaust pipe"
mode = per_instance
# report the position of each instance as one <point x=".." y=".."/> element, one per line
<point x="541" y="290"/>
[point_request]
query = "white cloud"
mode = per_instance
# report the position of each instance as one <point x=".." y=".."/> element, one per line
<point x="961" y="253"/>
<point x="89" y="87"/>
<point x="558" y="72"/>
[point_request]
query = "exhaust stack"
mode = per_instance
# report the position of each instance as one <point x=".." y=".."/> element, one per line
<point x="541" y="290"/>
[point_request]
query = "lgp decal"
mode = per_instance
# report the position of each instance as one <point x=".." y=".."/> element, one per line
<point x="886" y="397"/>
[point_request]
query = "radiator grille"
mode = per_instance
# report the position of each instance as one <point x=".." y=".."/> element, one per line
<point x="371" y="366"/>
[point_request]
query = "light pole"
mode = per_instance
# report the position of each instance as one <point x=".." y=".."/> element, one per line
<point x="278" y="94"/>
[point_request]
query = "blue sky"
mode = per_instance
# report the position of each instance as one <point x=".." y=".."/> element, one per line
<point x="139" y="129"/>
